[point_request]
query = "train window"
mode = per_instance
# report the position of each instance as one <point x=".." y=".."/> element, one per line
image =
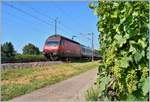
<point x="62" y="43"/>
<point x="83" y="49"/>
<point x="52" y="43"/>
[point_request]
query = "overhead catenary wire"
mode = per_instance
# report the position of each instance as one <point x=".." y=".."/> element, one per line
<point x="64" y="11"/>
<point x="25" y="21"/>
<point x="63" y="26"/>
<point x="39" y="12"/>
<point x="27" y="13"/>
<point x="58" y="7"/>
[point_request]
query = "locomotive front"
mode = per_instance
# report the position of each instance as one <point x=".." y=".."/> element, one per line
<point x="52" y="47"/>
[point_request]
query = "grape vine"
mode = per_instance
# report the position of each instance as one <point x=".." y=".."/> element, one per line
<point x="124" y="46"/>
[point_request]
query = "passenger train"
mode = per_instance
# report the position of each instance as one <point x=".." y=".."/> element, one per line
<point x="58" y="47"/>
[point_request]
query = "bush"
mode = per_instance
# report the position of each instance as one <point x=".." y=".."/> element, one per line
<point x="29" y="58"/>
<point x="123" y="27"/>
<point x="7" y="59"/>
<point x="24" y="58"/>
<point x="92" y="94"/>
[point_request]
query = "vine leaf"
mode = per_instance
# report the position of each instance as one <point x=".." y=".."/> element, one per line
<point x="120" y="40"/>
<point x="142" y="43"/>
<point x="137" y="56"/>
<point x="131" y="97"/>
<point x="147" y="53"/>
<point x="124" y="62"/>
<point x="114" y="15"/>
<point x="122" y="20"/>
<point x="91" y="5"/>
<point x="96" y="11"/>
<point x="104" y="81"/>
<point x="135" y="14"/>
<point x="145" y="86"/>
<point x="132" y="49"/>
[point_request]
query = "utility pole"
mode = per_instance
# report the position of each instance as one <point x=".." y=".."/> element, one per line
<point x="92" y="46"/>
<point x="56" y="25"/>
<point x="92" y="35"/>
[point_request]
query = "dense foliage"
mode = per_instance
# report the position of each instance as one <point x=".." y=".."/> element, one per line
<point x="18" y="58"/>
<point x="31" y="49"/>
<point x="7" y="50"/>
<point x="123" y="27"/>
<point x="31" y="54"/>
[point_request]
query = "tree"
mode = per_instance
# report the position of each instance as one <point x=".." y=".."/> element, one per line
<point x="7" y="50"/>
<point x="31" y="49"/>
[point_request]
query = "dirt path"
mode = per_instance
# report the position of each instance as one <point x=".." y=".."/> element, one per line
<point x="72" y="89"/>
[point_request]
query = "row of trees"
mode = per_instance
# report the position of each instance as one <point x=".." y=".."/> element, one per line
<point x="8" y="52"/>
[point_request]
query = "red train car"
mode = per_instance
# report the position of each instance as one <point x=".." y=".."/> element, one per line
<point x="57" y="46"/>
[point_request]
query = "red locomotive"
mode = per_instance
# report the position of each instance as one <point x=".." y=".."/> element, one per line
<point x="59" y="47"/>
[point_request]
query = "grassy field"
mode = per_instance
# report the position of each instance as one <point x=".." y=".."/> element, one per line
<point x="15" y="82"/>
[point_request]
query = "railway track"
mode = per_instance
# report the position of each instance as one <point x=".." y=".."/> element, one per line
<point x="5" y="66"/>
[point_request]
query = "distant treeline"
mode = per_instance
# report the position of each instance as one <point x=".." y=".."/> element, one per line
<point x="30" y="53"/>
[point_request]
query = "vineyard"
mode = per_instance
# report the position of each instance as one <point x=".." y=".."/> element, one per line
<point x="123" y="26"/>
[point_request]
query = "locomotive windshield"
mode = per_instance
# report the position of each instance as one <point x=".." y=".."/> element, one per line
<point x="52" y="43"/>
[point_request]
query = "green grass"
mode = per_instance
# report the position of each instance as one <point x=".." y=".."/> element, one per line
<point x="16" y="82"/>
<point x="92" y="94"/>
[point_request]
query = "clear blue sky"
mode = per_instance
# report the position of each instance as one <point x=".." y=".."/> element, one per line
<point x="33" y="22"/>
